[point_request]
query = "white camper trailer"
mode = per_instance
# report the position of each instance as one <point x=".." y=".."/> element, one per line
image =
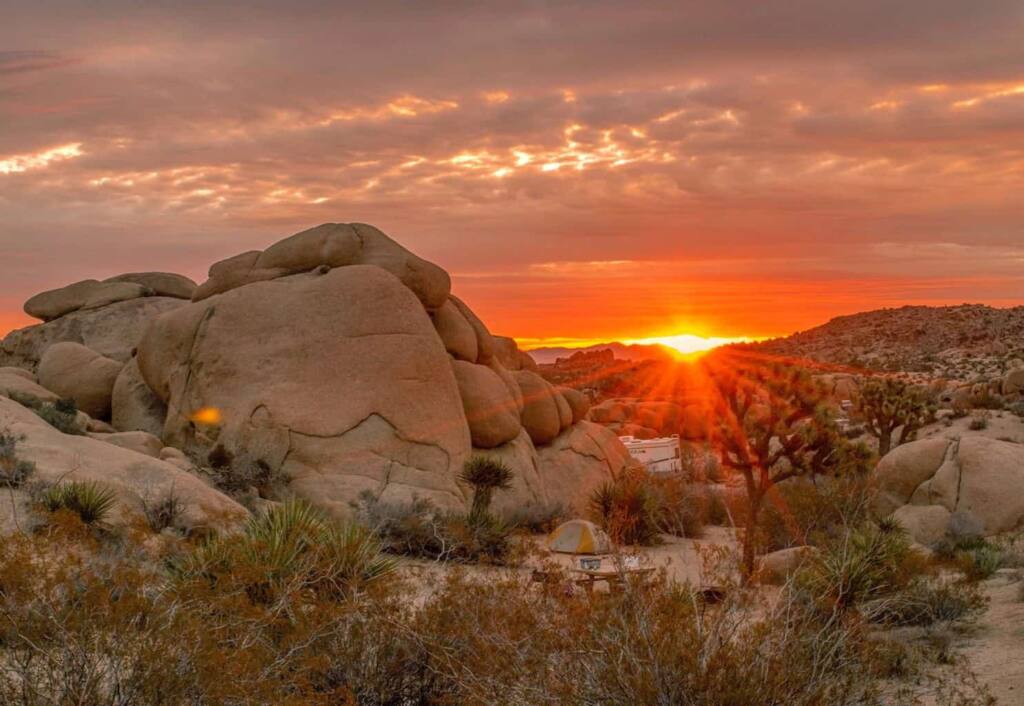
<point x="658" y="455"/>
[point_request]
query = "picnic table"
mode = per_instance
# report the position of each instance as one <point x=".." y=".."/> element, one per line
<point x="615" y="578"/>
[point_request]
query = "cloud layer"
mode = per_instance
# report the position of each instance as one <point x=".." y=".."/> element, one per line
<point x="585" y="170"/>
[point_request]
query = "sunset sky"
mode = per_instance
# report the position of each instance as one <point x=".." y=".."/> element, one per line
<point x="585" y="170"/>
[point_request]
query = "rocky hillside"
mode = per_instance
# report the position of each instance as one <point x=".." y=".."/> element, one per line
<point x="332" y="364"/>
<point x="957" y="342"/>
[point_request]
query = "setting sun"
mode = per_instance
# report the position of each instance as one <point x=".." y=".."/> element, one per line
<point x="687" y="343"/>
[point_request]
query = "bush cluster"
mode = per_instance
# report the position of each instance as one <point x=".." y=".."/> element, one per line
<point x="14" y="471"/>
<point x="637" y="507"/>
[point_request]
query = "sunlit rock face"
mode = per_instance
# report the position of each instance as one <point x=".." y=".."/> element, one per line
<point x="341" y="361"/>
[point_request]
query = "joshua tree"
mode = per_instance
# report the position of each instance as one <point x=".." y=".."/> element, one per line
<point x="773" y="426"/>
<point x="485" y="475"/>
<point x="888" y="405"/>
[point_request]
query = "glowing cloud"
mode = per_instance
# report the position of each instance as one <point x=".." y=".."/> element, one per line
<point x="27" y="162"/>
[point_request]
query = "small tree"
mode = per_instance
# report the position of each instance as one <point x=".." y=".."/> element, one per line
<point x="773" y="426"/>
<point x="888" y="405"/>
<point x="485" y="475"/>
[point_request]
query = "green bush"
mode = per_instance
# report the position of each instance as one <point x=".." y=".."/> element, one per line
<point x="802" y="512"/>
<point x="637" y="507"/>
<point x="976" y="557"/>
<point x="926" y="601"/>
<point x="90" y="500"/>
<point x="293" y="547"/>
<point x="539" y="518"/>
<point x="869" y="562"/>
<point x="61" y="415"/>
<point x="13" y="470"/>
<point x="419" y="529"/>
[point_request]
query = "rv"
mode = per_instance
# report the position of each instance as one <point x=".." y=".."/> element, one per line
<point x="657" y="455"/>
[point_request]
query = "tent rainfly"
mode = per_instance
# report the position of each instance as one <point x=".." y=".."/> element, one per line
<point x="579" y="537"/>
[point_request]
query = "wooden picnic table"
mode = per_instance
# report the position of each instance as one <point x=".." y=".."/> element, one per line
<point x="613" y="577"/>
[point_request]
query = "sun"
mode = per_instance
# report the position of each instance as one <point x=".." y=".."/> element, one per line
<point x="688" y="344"/>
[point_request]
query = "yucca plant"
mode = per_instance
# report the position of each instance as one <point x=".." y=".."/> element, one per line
<point x="292" y="546"/>
<point x="90" y="500"/>
<point x="485" y="475"/>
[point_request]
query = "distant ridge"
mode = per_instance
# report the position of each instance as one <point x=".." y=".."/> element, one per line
<point x="622" y="351"/>
<point x="926" y="338"/>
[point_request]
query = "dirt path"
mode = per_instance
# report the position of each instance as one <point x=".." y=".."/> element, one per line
<point x="996" y="650"/>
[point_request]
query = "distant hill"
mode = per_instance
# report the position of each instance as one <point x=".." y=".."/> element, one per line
<point x="621" y="351"/>
<point x="954" y="341"/>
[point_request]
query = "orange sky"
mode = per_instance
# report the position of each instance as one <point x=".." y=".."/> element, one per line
<point x="585" y="170"/>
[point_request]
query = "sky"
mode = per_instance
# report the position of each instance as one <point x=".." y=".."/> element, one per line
<point x="585" y="170"/>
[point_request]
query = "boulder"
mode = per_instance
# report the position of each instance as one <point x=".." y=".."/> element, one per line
<point x="134" y="477"/>
<point x="527" y="488"/>
<point x="137" y="441"/>
<point x="331" y="245"/>
<point x="1013" y="382"/>
<point x="506" y="350"/>
<point x="778" y="566"/>
<point x="578" y="403"/>
<point x="975" y="474"/>
<point x="336" y="382"/>
<point x="490" y="409"/>
<point x="161" y="284"/>
<point x="564" y="410"/>
<point x="484" y="340"/>
<point x="113" y="331"/>
<point x="903" y="469"/>
<point x="926" y="524"/>
<point x="75" y="371"/>
<point x="541" y="417"/>
<point x="458" y="336"/>
<point x="135" y="407"/>
<point x="175" y="457"/>
<point x="579" y="460"/>
<point x="87" y="294"/>
<point x="21" y="384"/>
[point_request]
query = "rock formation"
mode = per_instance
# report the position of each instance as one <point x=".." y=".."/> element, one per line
<point x="335" y="360"/>
<point x="927" y="482"/>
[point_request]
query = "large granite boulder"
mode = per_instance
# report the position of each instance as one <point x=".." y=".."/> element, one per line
<point x="975" y="474"/>
<point x="1013" y="382"/>
<point x="579" y="460"/>
<point x="331" y="245"/>
<point x="337" y="381"/>
<point x="87" y="294"/>
<point x="490" y="408"/>
<point x="542" y="418"/>
<point x="113" y="331"/>
<point x="21" y="383"/>
<point x="74" y="371"/>
<point x="136" y="478"/>
<point x="134" y="406"/>
<point x="160" y="284"/>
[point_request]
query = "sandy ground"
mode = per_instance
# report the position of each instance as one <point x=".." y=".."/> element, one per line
<point x="996" y="649"/>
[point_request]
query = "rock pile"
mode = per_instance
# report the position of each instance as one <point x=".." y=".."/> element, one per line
<point x="335" y="360"/>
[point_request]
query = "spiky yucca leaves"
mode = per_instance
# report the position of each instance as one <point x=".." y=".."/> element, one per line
<point x="90" y="500"/>
<point x="485" y="475"/>
<point x="869" y="562"/>
<point x="292" y="548"/>
<point x="889" y="404"/>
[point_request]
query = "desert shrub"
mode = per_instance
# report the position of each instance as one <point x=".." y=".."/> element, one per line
<point x="637" y="507"/>
<point x="537" y="518"/>
<point x="14" y="471"/>
<point x="926" y="601"/>
<point x="979" y="421"/>
<point x="419" y="529"/>
<point x="61" y="415"/>
<point x="240" y="474"/>
<point x="163" y="512"/>
<point x="803" y="512"/>
<point x="976" y="557"/>
<point x="90" y="500"/>
<point x="1017" y="408"/>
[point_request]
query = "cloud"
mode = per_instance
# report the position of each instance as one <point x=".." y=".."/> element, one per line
<point x="732" y="161"/>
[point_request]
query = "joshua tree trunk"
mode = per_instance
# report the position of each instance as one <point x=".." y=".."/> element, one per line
<point x="884" y="443"/>
<point x="755" y="496"/>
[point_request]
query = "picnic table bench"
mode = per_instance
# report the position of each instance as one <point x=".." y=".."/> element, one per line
<point x="613" y="577"/>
